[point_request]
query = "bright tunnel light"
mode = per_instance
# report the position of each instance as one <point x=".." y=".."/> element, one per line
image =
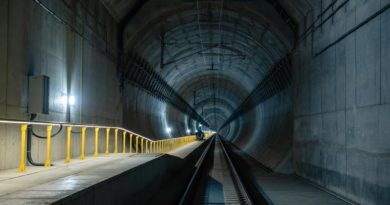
<point x="168" y="129"/>
<point x="65" y="100"/>
<point x="72" y="100"/>
<point x="188" y="131"/>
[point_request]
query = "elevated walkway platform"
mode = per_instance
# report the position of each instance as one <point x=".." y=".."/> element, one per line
<point x="107" y="179"/>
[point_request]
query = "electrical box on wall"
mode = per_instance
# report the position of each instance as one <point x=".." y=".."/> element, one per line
<point x="38" y="94"/>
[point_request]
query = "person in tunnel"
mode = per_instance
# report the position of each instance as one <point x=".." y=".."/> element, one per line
<point x="199" y="134"/>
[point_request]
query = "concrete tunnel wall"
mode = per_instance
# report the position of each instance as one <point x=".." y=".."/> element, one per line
<point x="34" y="42"/>
<point x="149" y="116"/>
<point x="330" y="126"/>
<point x="341" y="104"/>
<point x="266" y="132"/>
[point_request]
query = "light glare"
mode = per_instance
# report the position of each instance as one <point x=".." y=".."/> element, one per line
<point x="64" y="100"/>
<point x="72" y="100"/>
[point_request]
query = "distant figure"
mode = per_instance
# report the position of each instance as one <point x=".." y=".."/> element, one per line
<point x="199" y="135"/>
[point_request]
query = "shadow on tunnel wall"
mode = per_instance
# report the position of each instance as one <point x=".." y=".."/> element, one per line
<point x="266" y="132"/>
<point x="148" y="116"/>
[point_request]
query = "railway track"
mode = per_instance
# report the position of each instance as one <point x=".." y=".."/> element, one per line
<point x="215" y="179"/>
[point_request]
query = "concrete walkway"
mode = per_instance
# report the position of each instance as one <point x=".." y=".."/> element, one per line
<point x="290" y="190"/>
<point x="282" y="189"/>
<point x="39" y="185"/>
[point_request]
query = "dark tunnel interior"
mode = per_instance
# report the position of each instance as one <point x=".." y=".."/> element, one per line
<point x="300" y="86"/>
<point x="214" y="54"/>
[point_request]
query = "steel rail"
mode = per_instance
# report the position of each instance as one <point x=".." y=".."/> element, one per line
<point x="199" y="165"/>
<point x="241" y="190"/>
<point x="236" y="177"/>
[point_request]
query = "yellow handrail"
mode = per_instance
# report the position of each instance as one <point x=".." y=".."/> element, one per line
<point x="131" y="143"/>
<point x="116" y="141"/>
<point x="136" y="144"/>
<point x="150" y="146"/>
<point x="22" y="166"/>
<point x="96" y="142"/>
<point x="68" y="135"/>
<point x="142" y="145"/>
<point x="124" y="143"/>
<point x="48" y="146"/>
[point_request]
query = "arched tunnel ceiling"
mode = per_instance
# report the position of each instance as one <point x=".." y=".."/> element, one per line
<point x="219" y="50"/>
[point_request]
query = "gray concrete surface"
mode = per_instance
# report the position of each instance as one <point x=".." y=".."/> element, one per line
<point x="279" y="189"/>
<point x="33" y="42"/>
<point x="330" y="127"/>
<point x="118" y="179"/>
<point x="341" y="105"/>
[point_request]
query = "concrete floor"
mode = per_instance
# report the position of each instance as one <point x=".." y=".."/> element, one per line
<point x="283" y="189"/>
<point x="290" y="190"/>
<point x="40" y="185"/>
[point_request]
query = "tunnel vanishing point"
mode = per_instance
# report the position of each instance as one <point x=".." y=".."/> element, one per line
<point x="195" y="102"/>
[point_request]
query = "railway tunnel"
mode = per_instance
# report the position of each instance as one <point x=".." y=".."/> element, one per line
<point x="291" y="97"/>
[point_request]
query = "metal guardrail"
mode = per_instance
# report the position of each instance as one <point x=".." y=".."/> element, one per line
<point x="142" y="144"/>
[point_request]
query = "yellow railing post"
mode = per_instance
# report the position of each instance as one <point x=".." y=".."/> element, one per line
<point x="116" y="141"/>
<point x="107" y="140"/>
<point x="96" y="142"/>
<point x="163" y="146"/>
<point x="68" y="135"/>
<point x="82" y="157"/>
<point x="124" y="143"/>
<point x="142" y="145"/>
<point x="23" y="130"/>
<point x="136" y="144"/>
<point x="131" y="143"/>
<point x="146" y="146"/>
<point x="48" y="145"/>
